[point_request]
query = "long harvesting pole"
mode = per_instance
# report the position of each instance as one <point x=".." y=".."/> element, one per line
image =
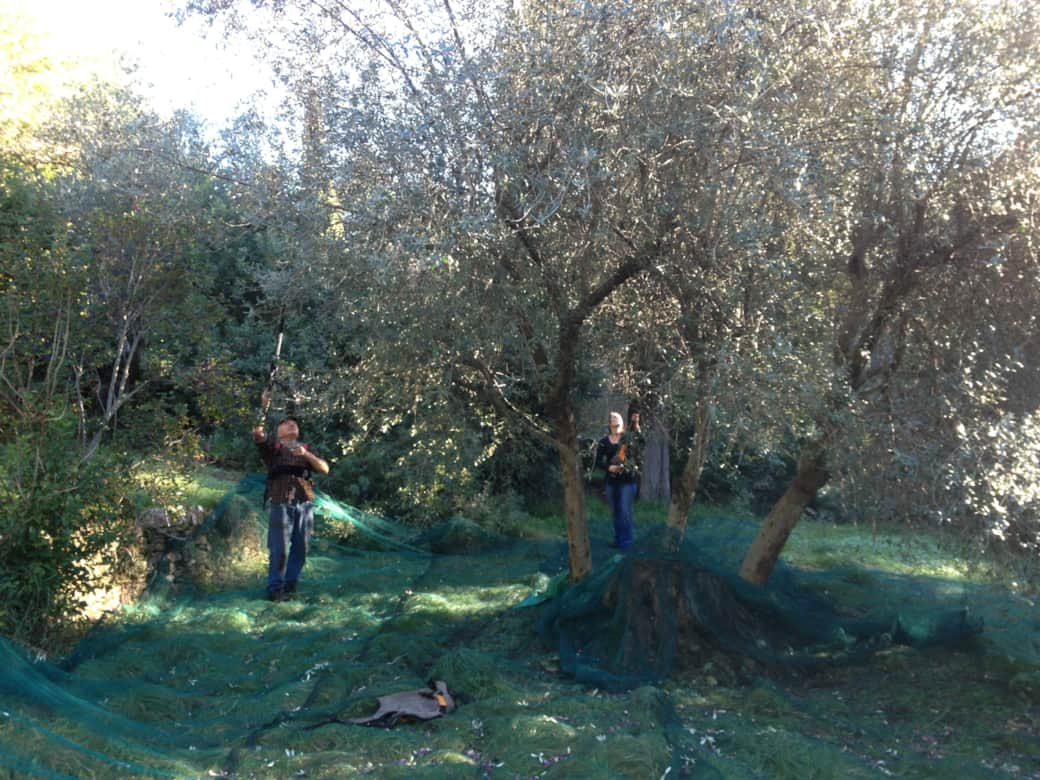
<point x="265" y="395"/>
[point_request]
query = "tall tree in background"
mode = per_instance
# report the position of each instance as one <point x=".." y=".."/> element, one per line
<point x="119" y="261"/>
<point x="137" y="214"/>
<point x="35" y="77"/>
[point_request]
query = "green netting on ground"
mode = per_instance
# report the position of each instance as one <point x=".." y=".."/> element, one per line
<point x="205" y="678"/>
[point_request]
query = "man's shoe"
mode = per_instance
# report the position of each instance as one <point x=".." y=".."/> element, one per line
<point x="276" y="594"/>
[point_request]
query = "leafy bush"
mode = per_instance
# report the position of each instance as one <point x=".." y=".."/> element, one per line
<point x="59" y="517"/>
<point x="229" y="448"/>
<point x="501" y="513"/>
<point x="410" y="472"/>
<point x="746" y="478"/>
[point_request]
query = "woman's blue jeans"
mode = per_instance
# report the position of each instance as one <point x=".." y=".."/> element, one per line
<point x="620" y="496"/>
<point x="289" y="529"/>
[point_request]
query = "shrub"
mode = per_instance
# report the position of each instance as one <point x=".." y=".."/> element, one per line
<point x="59" y="516"/>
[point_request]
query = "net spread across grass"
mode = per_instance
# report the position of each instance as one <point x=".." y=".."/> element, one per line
<point x="661" y="664"/>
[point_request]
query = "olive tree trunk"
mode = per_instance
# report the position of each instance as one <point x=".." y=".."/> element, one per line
<point x="685" y="489"/>
<point x="776" y="528"/>
<point x="654" y="476"/>
<point x="579" y="550"/>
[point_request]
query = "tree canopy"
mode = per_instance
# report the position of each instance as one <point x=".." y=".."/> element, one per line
<point x="800" y="234"/>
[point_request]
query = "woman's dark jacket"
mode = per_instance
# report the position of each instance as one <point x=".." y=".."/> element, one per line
<point x="625" y="453"/>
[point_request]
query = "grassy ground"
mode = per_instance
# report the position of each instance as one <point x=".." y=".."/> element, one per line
<point x="209" y="679"/>
<point x="203" y="487"/>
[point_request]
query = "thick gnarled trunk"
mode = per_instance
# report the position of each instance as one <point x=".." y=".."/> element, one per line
<point x="776" y="528"/>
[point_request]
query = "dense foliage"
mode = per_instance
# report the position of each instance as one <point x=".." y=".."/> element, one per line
<point x="802" y="236"/>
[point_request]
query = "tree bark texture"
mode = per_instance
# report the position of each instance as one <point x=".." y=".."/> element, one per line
<point x="685" y="489"/>
<point x="772" y="536"/>
<point x="579" y="551"/>
<point x="655" y="480"/>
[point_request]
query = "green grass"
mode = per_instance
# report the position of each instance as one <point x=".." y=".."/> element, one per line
<point x="207" y="486"/>
<point x="893" y="549"/>
<point x="203" y="487"/>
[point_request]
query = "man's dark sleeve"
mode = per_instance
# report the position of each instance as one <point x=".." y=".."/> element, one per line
<point x="266" y="449"/>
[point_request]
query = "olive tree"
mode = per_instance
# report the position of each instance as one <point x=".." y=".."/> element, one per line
<point x="904" y="157"/>
<point x="498" y="184"/>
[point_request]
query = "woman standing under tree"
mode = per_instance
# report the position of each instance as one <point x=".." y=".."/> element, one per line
<point x="618" y="454"/>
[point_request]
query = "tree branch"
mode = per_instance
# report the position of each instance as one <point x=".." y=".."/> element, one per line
<point x="481" y="94"/>
<point x="491" y="392"/>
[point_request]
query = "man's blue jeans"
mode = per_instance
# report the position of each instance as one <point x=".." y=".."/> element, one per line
<point x="289" y="528"/>
<point x="620" y="496"/>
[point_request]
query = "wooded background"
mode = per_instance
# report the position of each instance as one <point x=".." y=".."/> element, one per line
<point x="800" y="235"/>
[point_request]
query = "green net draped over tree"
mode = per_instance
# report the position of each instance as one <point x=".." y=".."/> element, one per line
<point x="656" y="609"/>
